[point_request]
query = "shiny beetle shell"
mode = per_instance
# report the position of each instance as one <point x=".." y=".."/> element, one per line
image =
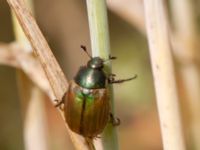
<point x="86" y="110"/>
<point x="87" y="103"/>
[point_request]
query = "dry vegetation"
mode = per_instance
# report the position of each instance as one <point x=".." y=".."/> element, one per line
<point x="171" y="41"/>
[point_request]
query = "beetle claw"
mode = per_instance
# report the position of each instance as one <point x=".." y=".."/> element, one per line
<point x="112" y="57"/>
<point x="114" y="121"/>
<point x="59" y="104"/>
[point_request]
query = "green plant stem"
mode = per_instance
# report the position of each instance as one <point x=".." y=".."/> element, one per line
<point x="99" y="35"/>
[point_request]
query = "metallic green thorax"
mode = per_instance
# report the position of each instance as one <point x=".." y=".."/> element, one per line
<point x="92" y="76"/>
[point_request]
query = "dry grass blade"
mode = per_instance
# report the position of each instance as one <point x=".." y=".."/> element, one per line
<point x="164" y="77"/>
<point x="51" y="67"/>
<point x="35" y="124"/>
<point x="17" y="56"/>
<point x="7" y="57"/>
<point x="186" y="51"/>
<point x="32" y="101"/>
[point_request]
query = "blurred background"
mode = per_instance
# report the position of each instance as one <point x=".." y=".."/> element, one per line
<point x="65" y="26"/>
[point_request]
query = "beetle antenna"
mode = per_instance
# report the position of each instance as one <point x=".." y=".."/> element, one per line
<point x="85" y="50"/>
<point x="110" y="58"/>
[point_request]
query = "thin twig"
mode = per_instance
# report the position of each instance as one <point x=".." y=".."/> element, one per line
<point x="163" y="71"/>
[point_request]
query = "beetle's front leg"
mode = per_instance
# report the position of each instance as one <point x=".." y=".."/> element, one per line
<point x="58" y="102"/>
<point x="112" y="80"/>
<point x="114" y="121"/>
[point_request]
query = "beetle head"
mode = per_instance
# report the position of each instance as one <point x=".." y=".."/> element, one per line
<point x="95" y="63"/>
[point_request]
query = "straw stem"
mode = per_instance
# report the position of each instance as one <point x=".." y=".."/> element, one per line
<point x="164" y="77"/>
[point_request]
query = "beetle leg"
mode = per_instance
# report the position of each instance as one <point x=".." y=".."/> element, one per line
<point x="112" y="57"/>
<point x="114" y="121"/>
<point x="89" y="142"/>
<point x="59" y="103"/>
<point x="112" y="75"/>
<point x="111" y="79"/>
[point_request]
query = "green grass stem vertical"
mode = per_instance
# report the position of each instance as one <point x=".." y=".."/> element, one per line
<point x="99" y="35"/>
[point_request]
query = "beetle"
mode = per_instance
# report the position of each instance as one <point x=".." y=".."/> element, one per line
<point x="86" y="103"/>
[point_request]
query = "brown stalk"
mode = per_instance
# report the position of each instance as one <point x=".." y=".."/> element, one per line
<point x="51" y="67"/>
<point x="32" y="99"/>
<point x="43" y="52"/>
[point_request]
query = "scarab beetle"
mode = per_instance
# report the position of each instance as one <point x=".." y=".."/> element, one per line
<point x="86" y="103"/>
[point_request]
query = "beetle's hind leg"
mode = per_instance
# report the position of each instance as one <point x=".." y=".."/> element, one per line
<point x="114" y="121"/>
<point x="112" y="80"/>
<point x="90" y="143"/>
